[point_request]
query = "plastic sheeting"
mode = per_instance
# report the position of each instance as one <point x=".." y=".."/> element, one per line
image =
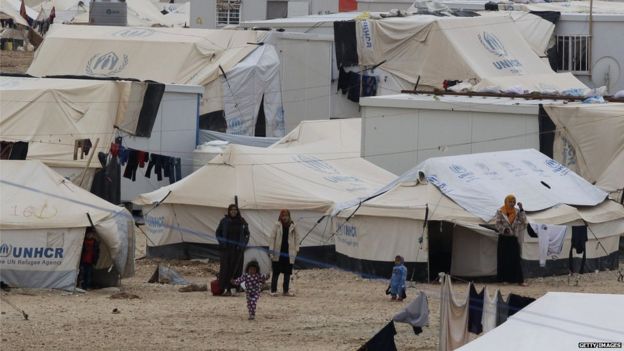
<point x="209" y="135"/>
<point x="255" y="81"/>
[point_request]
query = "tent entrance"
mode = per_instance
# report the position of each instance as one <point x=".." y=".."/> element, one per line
<point x="440" y="235"/>
<point x="260" y="129"/>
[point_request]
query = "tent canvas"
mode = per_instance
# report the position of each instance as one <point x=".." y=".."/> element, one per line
<point x="558" y="321"/>
<point x="311" y="170"/>
<point x="167" y="55"/>
<point x="42" y="224"/>
<point x="590" y="141"/>
<point x="401" y="212"/>
<point x="484" y="49"/>
<point x="52" y="113"/>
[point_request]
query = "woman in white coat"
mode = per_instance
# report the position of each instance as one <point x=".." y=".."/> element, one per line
<point x="283" y="248"/>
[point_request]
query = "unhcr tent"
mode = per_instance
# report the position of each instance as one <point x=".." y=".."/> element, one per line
<point x="590" y="141"/>
<point x="434" y="214"/>
<point x="210" y="58"/>
<point x="311" y="170"/>
<point x="559" y="321"/>
<point x="487" y="51"/>
<point x="51" y="114"/>
<point x="42" y="226"/>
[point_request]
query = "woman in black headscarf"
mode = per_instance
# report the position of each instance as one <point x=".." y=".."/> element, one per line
<point x="233" y="236"/>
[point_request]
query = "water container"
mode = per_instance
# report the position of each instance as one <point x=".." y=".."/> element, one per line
<point x="108" y="13"/>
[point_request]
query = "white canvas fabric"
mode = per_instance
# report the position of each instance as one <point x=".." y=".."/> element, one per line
<point x="11" y="9"/>
<point x="550" y="240"/>
<point x="590" y="141"/>
<point x="453" y="318"/>
<point x="309" y="171"/>
<point x="166" y="55"/>
<point x="52" y="113"/>
<point x="141" y="13"/>
<point x="480" y="182"/>
<point x="557" y="321"/>
<point x="40" y="210"/>
<point x="465" y="48"/>
<point x="488" y="318"/>
<point x="254" y="81"/>
<point x="206" y="136"/>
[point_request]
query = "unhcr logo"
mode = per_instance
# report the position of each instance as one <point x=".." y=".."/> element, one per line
<point x="5" y="250"/>
<point x="107" y="64"/>
<point x="134" y="33"/>
<point x="492" y="44"/>
<point x="316" y="164"/>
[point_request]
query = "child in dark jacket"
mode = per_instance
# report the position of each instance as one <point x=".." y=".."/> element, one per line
<point x="88" y="259"/>
<point x="253" y="284"/>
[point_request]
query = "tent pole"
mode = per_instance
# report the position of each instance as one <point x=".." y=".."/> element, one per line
<point x="84" y="172"/>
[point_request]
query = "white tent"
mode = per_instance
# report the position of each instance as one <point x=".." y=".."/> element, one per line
<point x="312" y="169"/>
<point x="488" y="52"/>
<point x="169" y="55"/>
<point x="590" y="141"/>
<point x="42" y="225"/>
<point x="51" y="114"/>
<point x="559" y="321"/>
<point x="393" y="223"/>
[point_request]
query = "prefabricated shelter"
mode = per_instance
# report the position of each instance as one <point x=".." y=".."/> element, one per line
<point x="213" y="59"/>
<point x="434" y="214"/>
<point x="51" y="114"/>
<point x="42" y="227"/>
<point x="559" y="321"/>
<point x="311" y="170"/>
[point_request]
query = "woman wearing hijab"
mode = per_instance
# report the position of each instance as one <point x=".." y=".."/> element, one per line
<point x="233" y="236"/>
<point x="511" y="222"/>
<point x="283" y="248"/>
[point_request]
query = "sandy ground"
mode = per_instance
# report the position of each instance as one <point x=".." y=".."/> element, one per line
<point x="332" y="310"/>
<point x="15" y="61"/>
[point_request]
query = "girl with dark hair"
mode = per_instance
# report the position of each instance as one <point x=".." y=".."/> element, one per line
<point x="233" y="236"/>
<point x="253" y="285"/>
<point x="283" y="249"/>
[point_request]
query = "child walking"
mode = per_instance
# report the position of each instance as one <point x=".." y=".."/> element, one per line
<point x="397" y="281"/>
<point x="253" y="284"/>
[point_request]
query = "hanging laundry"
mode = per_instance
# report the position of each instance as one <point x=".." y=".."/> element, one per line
<point x="84" y="145"/>
<point x="168" y="166"/>
<point x="517" y="302"/>
<point x="345" y="43"/>
<point x="550" y="240"/>
<point x="382" y="341"/>
<point x="475" y="310"/>
<point x="124" y="153"/>
<point x="579" y="238"/>
<point x="369" y="85"/>
<point x="453" y="319"/>
<point x="502" y="309"/>
<point x="353" y="86"/>
<point x="142" y="156"/>
<point x="107" y="181"/>
<point x="133" y="164"/>
<point x="416" y="313"/>
<point x="488" y="320"/>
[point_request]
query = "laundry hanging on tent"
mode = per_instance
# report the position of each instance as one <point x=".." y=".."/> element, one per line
<point x="453" y="318"/>
<point x="168" y="166"/>
<point x="13" y="150"/>
<point x="84" y="145"/>
<point x="475" y="310"/>
<point x="550" y="240"/>
<point x="517" y="302"/>
<point x="488" y="320"/>
<point x="579" y="238"/>
<point x="502" y="309"/>
<point x="416" y="313"/>
<point x="382" y="341"/>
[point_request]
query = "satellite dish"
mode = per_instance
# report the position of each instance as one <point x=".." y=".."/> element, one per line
<point x="606" y="72"/>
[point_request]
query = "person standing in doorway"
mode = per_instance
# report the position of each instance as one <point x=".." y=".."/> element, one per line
<point x="511" y="223"/>
<point x="233" y="236"/>
<point x="283" y="249"/>
<point x="88" y="258"/>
